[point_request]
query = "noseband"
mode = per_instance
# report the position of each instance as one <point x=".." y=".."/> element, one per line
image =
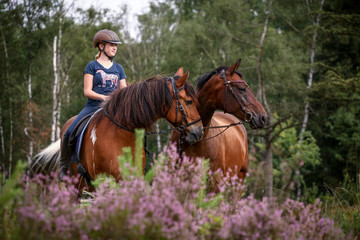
<point x="248" y="116"/>
<point x="180" y="108"/>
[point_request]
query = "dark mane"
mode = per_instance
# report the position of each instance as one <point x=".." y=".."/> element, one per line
<point x="207" y="76"/>
<point x="140" y="104"/>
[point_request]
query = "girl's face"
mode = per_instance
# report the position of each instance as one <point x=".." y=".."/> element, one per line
<point x="110" y="49"/>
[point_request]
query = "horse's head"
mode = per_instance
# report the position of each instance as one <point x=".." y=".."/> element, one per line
<point x="183" y="113"/>
<point x="226" y="90"/>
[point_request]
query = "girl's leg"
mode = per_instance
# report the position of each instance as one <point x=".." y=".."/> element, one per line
<point x="66" y="151"/>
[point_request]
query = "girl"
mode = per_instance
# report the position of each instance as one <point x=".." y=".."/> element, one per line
<point x="101" y="77"/>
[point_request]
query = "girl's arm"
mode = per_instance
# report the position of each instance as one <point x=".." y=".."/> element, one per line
<point x="88" y="92"/>
<point x="122" y="83"/>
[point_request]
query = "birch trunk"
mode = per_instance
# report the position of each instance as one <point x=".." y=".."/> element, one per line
<point x="262" y="97"/>
<point x="11" y="134"/>
<point x="311" y="70"/>
<point x="28" y="130"/>
<point x="268" y="169"/>
<point x="158" y="137"/>
<point x="2" y="167"/>
<point x="309" y="84"/>
<point x="56" y="87"/>
<point x="2" y="141"/>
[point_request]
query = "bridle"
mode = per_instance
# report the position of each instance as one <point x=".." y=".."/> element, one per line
<point x="181" y="128"/>
<point x="248" y="116"/>
<point x="179" y="108"/>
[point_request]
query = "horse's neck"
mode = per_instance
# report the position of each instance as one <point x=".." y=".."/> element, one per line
<point x="207" y="108"/>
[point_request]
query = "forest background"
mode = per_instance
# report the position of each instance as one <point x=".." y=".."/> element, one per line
<point x="301" y="59"/>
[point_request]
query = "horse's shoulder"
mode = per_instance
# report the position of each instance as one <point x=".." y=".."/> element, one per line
<point x="223" y="119"/>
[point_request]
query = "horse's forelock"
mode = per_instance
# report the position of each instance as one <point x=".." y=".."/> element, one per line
<point x="207" y="76"/>
<point x="191" y="92"/>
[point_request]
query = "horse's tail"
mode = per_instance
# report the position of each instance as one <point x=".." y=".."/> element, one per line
<point x="47" y="161"/>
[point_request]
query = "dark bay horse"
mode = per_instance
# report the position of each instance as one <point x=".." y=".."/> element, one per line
<point x="111" y="129"/>
<point x="227" y="149"/>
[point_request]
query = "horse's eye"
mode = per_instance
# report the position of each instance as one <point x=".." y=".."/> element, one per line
<point x="242" y="89"/>
<point x="188" y="102"/>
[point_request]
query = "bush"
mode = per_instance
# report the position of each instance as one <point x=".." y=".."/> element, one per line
<point x="172" y="204"/>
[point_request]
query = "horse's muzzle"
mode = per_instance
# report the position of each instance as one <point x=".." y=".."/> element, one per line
<point x="194" y="135"/>
<point x="258" y="122"/>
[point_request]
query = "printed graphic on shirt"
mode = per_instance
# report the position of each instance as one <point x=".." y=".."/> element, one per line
<point x="108" y="77"/>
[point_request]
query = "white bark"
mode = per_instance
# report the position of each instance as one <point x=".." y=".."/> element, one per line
<point x="261" y="89"/>
<point x="2" y="148"/>
<point x="309" y="84"/>
<point x="56" y="88"/>
<point x="158" y="138"/>
<point x="2" y="141"/>
<point x="311" y="70"/>
<point x="11" y="134"/>
<point x="30" y="116"/>
<point x="262" y="97"/>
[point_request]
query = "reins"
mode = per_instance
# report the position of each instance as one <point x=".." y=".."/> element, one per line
<point x="226" y="128"/>
<point x="180" y="129"/>
<point x="179" y="106"/>
<point x="248" y="116"/>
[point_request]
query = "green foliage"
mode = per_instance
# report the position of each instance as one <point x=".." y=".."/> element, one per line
<point x="9" y="194"/>
<point x="292" y="162"/>
<point x="200" y="36"/>
<point x="338" y="133"/>
<point x="11" y="189"/>
<point x="343" y="205"/>
<point x="129" y="166"/>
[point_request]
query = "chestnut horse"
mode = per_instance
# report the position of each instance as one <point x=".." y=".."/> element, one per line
<point x="225" y="141"/>
<point x="112" y="127"/>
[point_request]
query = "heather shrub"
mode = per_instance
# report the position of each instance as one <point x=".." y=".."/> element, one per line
<point x="10" y="193"/>
<point x="49" y="209"/>
<point x="171" y="204"/>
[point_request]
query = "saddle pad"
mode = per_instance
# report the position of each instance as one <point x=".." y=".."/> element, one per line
<point x="78" y="134"/>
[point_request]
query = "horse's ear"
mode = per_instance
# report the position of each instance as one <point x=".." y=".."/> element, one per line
<point x="182" y="80"/>
<point x="179" y="72"/>
<point x="234" y="67"/>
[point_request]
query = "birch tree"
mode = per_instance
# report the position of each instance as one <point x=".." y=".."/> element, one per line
<point x="36" y="14"/>
<point x="262" y="98"/>
<point x="316" y="23"/>
<point x="61" y="74"/>
<point x="11" y="134"/>
<point x="55" y="129"/>
<point x="158" y="29"/>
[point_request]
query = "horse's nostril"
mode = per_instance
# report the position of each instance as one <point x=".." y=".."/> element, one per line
<point x="263" y="119"/>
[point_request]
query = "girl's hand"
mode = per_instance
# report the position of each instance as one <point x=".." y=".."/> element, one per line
<point x="104" y="97"/>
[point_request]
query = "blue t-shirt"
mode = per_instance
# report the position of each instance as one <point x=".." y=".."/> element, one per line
<point x="106" y="80"/>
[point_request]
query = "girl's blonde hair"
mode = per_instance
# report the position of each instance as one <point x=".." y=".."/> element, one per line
<point x="98" y="55"/>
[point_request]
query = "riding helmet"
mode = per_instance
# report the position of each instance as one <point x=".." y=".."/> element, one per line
<point x="106" y="36"/>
